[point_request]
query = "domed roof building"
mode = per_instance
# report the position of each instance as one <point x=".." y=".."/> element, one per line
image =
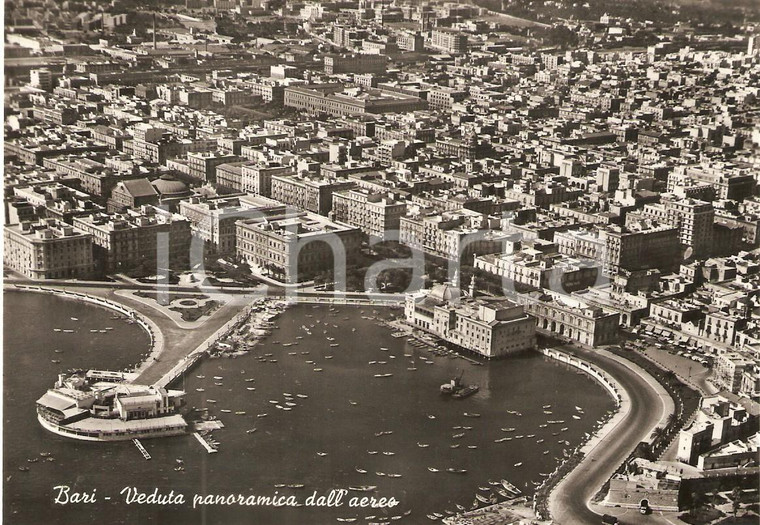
<point x="168" y="186"/>
<point x="171" y="191"/>
<point x="445" y="293"/>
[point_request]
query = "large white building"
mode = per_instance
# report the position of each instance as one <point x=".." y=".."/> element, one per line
<point x="492" y="327"/>
<point x="298" y="248"/>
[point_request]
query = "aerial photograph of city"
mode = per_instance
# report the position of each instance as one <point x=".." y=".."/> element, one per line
<point x="298" y="262"/>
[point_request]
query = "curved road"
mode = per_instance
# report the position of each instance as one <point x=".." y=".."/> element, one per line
<point x="568" y="503"/>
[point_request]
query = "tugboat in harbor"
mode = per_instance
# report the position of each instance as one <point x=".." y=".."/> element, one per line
<point x="458" y="390"/>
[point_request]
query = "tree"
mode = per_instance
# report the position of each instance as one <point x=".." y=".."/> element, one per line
<point x="696" y="501"/>
<point x="736" y="496"/>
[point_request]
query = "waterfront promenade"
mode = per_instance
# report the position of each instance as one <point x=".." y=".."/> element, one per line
<point x="644" y="406"/>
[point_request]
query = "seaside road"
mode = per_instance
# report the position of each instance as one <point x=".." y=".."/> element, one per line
<point x="569" y="500"/>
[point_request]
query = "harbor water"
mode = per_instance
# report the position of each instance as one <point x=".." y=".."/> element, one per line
<point x="346" y="404"/>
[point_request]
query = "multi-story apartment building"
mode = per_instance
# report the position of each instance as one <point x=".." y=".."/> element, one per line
<point x="641" y="246"/>
<point x="139" y="240"/>
<point x="257" y="178"/>
<point x="49" y="249"/>
<point x="213" y="219"/>
<point x="441" y="97"/>
<point x="96" y="178"/>
<point x="374" y="213"/>
<point x="407" y="41"/>
<point x="455" y="236"/>
<point x="490" y="327"/>
<point x="202" y="165"/>
<point x="36" y="151"/>
<point x="468" y="147"/>
<point x="357" y="63"/>
<point x="314" y="195"/>
<point x="298" y="248"/>
<point x="727" y="181"/>
<point x="448" y="40"/>
<point x="694" y="218"/>
<point x="728" y="369"/>
<point x="230" y="176"/>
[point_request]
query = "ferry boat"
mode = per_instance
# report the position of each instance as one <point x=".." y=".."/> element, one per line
<point x="101" y="405"/>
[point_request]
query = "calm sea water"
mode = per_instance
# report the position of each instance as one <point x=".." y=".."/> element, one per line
<point x="347" y="406"/>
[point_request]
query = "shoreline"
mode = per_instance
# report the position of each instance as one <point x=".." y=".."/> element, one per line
<point x="183" y="366"/>
<point x="157" y="345"/>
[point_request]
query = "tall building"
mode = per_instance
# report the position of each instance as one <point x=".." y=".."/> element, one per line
<point x="374" y="213"/>
<point x="539" y="265"/>
<point x="455" y="236"/>
<point x="314" y="195"/>
<point x="332" y="100"/>
<point x="42" y="79"/>
<point x="640" y="247"/>
<point x="693" y="217"/>
<point x="448" y="40"/>
<point x="257" y="178"/>
<point x="202" y="166"/>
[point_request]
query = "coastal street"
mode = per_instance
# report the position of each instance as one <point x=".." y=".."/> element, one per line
<point x="569" y="501"/>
